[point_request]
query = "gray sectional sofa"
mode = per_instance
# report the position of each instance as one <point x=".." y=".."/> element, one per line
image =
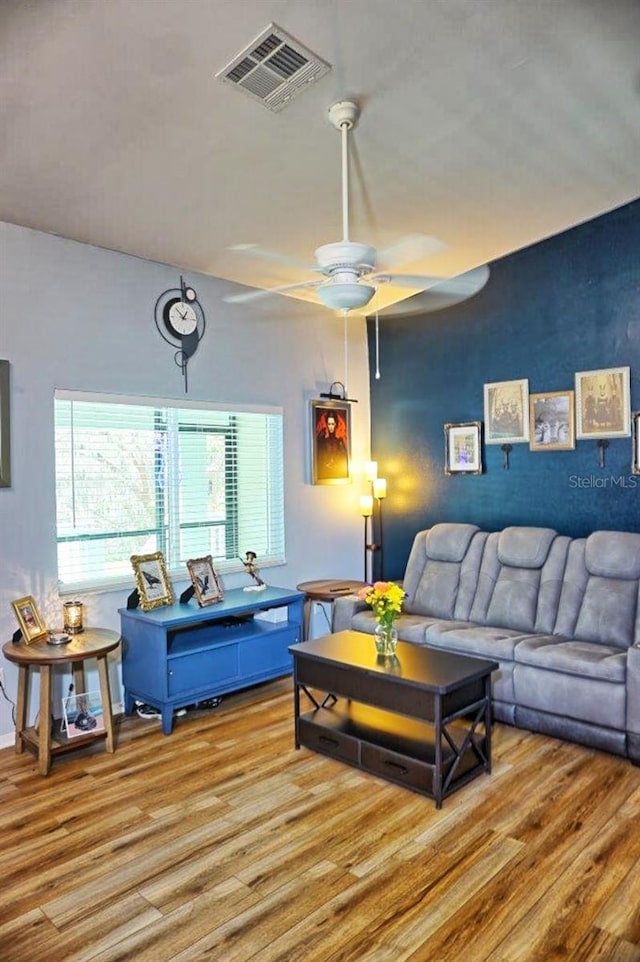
<point x="560" y="615"/>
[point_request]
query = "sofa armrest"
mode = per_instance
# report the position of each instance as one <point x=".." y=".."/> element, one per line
<point x="633" y="704"/>
<point x="344" y="608"/>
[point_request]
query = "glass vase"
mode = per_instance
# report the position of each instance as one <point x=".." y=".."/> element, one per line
<point x="386" y="638"/>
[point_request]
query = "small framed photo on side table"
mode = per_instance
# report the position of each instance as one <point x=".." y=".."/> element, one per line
<point x="30" y="620"/>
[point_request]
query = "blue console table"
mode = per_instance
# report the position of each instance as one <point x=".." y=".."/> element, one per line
<point x="181" y="654"/>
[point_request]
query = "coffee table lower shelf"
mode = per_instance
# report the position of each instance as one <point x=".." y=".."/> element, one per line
<point x="399" y="749"/>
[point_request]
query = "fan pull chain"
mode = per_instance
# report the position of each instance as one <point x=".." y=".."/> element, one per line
<point x="377" y="348"/>
<point x="346" y="351"/>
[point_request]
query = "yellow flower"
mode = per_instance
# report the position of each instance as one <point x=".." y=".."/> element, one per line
<point x="385" y="598"/>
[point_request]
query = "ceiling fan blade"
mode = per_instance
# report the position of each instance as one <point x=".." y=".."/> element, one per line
<point x="257" y="295"/>
<point x="444" y="293"/>
<point x="408" y="249"/>
<point x="262" y="253"/>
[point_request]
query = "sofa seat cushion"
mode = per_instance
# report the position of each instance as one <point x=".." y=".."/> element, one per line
<point x="583" y="658"/>
<point x="558" y="693"/>
<point x="477" y="641"/>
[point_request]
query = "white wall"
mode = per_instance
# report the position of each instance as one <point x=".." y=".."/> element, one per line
<point x="81" y="318"/>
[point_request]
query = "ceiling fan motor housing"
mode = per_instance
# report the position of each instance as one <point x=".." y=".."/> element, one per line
<point x="346" y="254"/>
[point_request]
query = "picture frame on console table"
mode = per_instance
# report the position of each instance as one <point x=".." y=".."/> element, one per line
<point x="552" y="421"/>
<point x="603" y="403"/>
<point x="152" y="580"/>
<point x="205" y="581"/>
<point x="506" y="412"/>
<point x="30" y="620"/>
<point x="330" y="432"/>
<point x="463" y="448"/>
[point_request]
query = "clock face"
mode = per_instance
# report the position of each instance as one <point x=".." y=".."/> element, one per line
<point x="180" y="318"/>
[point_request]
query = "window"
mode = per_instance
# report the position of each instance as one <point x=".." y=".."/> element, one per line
<point x="137" y="475"/>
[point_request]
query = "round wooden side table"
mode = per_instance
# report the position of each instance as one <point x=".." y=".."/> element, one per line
<point x="91" y="643"/>
<point x="327" y="591"/>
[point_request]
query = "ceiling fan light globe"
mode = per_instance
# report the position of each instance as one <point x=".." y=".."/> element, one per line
<point x="345" y="297"/>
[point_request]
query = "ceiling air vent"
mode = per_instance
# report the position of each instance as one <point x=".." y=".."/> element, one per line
<point x="274" y="68"/>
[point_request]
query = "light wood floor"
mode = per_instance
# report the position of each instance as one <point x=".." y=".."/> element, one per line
<point x="223" y="843"/>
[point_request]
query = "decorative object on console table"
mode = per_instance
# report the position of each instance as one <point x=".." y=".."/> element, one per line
<point x="462" y="448"/>
<point x="152" y="581"/>
<point x="32" y="626"/>
<point x="205" y="581"/>
<point x="603" y="403"/>
<point x="386" y="599"/>
<point x="5" y="427"/>
<point x="253" y="571"/>
<point x="552" y="421"/>
<point x="506" y="412"/>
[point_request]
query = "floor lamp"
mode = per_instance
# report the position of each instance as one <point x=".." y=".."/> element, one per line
<point x="366" y="510"/>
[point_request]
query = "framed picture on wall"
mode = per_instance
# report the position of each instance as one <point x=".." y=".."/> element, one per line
<point x="552" y="421"/>
<point x="152" y="580"/>
<point x="330" y="431"/>
<point x="603" y="403"/>
<point x="506" y="412"/>
<point x="462" y="448"/>
<point x="5" y="427"/>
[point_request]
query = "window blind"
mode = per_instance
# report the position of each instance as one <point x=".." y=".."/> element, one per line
<point x="135" y="476"/>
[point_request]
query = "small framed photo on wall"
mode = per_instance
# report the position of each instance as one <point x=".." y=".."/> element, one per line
<point x="152" y="580"/>
<point x="330" y="442"/>
<point x="603" y="403"/>
<point x="462" y="448"/>
<point x="552" y="421"/>
<point x="506" y="412"/>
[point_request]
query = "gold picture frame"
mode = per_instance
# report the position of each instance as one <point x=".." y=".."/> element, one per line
<point x="205" y="581"/>
<point x="552" y="421"/>
<point x="31" y="622"/>
<point x="152" y="580"/>
<point x="603" y="403"/>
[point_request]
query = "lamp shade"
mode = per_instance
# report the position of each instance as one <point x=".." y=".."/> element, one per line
<point x="380" y="488"/>
<point x="371" y="470"/>
<point x="366" y="505"/>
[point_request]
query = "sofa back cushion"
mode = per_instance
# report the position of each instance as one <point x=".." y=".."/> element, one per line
<point x="442" y="570"/>
<point x="521" y="579"/>
<point x="599" y="600"/>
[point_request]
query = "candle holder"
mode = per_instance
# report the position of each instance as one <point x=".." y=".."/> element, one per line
<point x="73" y="617"/>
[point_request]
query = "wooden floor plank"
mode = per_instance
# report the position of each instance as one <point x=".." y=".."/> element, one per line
<point x="222" y="842"/>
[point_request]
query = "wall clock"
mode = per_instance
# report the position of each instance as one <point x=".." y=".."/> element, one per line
<point x="181" y="323"/>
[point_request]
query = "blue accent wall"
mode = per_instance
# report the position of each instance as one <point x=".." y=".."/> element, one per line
<point x="570" y="303"/>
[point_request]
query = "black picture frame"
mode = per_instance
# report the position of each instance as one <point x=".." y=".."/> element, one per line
<point x="463" y="448"/>
<point x="5" y="427"/>
<point x="330" y="432"/>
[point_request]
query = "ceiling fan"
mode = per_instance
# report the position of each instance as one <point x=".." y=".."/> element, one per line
<point x="350" y="272"/>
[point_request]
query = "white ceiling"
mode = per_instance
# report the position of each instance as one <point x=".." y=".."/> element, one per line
<point x="489" y="124"/>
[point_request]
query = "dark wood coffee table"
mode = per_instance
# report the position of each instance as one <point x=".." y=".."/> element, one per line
<point x="420" y="719"/>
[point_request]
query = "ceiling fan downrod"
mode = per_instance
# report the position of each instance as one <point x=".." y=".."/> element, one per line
<point x="343" y="116"/>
